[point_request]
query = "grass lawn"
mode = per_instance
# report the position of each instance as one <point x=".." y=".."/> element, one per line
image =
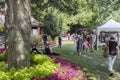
<point x="94" y="62"/>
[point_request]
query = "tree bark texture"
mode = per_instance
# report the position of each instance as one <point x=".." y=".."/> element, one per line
<point x="17" y="30"/>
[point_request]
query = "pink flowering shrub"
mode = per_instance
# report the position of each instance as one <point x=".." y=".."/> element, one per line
<point x="67" y="71"/>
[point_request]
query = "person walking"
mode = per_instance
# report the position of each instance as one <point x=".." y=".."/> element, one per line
<point x="92" y="41"/>
<point x="79" y="43"/>
<point x="113" y="50"/>
<point x="74" y="37"/>
<point x="68" y="36"/>
<point x="86" y="46"/>
<point x="59" y="41"/>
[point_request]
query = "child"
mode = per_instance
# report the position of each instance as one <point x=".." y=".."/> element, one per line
<point x="86" y="46"/>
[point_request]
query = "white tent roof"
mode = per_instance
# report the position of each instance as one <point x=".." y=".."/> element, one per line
<point x="111" y="25"/>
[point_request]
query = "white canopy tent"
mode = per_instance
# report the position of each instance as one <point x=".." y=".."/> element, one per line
<point x="109" y="26"/>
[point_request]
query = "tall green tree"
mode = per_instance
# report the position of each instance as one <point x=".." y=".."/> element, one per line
<point x="65" y="7"/>
<point x="17" y="30"/>
<point x="108" y="9"/>
<point x="88" y="13"/>
<point x="53" y="22"/>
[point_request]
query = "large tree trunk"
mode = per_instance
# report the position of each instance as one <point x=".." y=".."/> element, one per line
<point x="18" y="29"/>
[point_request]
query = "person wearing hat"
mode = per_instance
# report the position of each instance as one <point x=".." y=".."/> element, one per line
<point x="113" y="48"/>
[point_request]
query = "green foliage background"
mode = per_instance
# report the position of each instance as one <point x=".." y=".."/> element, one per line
<point x="64" y="14"/>
<point x="69" y="13"/>
<point x="1" y="28"/>
<point x="43" y="66"/>
<point x="84" y="12"/>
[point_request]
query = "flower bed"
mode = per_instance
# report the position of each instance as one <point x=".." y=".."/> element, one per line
<point x="67" y="71"/>
<point x="2" y="50"/>
<point x="55" y="69"/>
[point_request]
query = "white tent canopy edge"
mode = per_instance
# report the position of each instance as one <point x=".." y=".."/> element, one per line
<point x="111" y="25"/>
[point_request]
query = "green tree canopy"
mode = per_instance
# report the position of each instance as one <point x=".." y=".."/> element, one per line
<point x="53" y="22"/>
<point x="88" y="13"/>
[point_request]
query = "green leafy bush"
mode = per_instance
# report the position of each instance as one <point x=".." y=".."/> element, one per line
<point x="2" y="56"/>
<point x="45" y="67"/>
<point x="4" y="76"/>
<point x="40" y="59"/>
<point x="24" y="74"/>
<point x="41" y="71"/>
<point x="3" y="66"/>
<point x="1" y="28"/>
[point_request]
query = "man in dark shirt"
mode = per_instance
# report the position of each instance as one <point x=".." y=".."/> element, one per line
<point x="59" y="41"/>
<point x="48" y="50"/>
<point x="113" y="48"/>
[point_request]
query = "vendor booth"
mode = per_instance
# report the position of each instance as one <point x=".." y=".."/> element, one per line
<point x="110" y="27"/>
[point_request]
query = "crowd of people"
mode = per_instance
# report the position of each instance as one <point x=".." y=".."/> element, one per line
<point x="84" y="42"/>
<point x="88" y="42"/>
<point x="47" y="47"/>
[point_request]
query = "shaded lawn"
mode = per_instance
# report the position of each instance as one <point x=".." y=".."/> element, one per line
<point x="94" y="61"/>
